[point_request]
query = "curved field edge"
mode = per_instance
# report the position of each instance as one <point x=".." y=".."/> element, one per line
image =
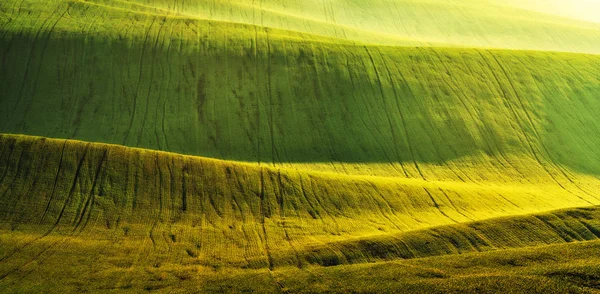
<point x="560" y="268"/>
<point x="185" y="86"/>
<point x="464" y="23"/>
<point x="562" y="226"/>
<point x="117" y="218"/>
<point x="100" y="267"/>
<point x="223" y="213"/>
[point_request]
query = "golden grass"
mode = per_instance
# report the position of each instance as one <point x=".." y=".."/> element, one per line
<point x="416" y="168"/>
<point x="156" y="207"/>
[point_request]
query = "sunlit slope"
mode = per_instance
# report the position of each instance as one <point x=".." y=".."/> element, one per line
<point x="244" y="214"/>
<point x="586" y="10"/>
<point x="561" y="268"/>
<point x="247" y="93"/>
<point x="117" y="217"/>
<point x="332" y="147"/>
<point x="464" y="23"/>
<point x="55" y="181"/>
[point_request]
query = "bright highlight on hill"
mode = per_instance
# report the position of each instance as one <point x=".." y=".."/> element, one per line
<point x="286" y="146"/>
<point x="585" y="10"/>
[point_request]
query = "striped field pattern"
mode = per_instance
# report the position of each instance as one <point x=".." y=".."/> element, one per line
<point x="298" y="146"/>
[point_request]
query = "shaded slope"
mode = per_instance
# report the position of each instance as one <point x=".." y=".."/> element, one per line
<point x="246" y="93"/>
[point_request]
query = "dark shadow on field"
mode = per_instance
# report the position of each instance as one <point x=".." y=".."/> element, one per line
<point x="300" y="103"/>
<point x="270" y="100"/>
<point x="562" y="104"/>
<point x="572" y="128"/>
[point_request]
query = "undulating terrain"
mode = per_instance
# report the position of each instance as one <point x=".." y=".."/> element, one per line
<point x="299" y="146"/>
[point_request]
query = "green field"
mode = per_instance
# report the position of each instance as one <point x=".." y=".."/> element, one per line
<point x="301" y="146"/>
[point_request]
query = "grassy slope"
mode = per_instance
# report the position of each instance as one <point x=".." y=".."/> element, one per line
<point x="465" y="23"/>
<point x="561" y="268"/>
<point x="151" y="219"/>
<point x="252" y="94"/>
<point x="390" y="141"/>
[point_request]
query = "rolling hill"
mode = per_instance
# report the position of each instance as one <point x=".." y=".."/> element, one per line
<point x="132" y="219"/>
<point x="187" y="146"/>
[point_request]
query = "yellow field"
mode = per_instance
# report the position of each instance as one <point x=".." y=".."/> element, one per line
<point x="310" y="146"/>
<point x="119" y="214"/>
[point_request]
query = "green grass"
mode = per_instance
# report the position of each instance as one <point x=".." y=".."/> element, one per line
<point x="367" y="146"/>
<point x="151" y="214"/>
<point x="193" y="87"/>
<point x="465" y="23"/>
<point x="557" y="268"/>
<point x="548" y="269"/>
